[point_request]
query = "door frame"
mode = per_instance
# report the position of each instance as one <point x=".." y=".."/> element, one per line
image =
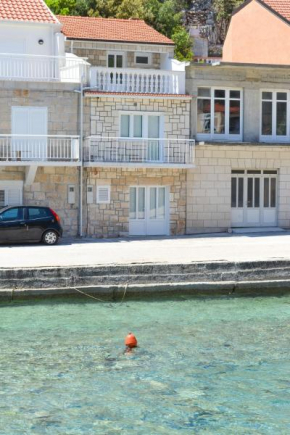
<point x="245" y="175"/>
<point x="146" y="219"/>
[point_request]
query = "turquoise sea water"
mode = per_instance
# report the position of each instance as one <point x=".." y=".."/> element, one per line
<point x="203" y="366"/>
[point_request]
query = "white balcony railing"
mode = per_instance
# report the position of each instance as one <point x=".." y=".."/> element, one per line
<point x="142" y="81"/>
<point x="25" y="148"/>
<point x="41" y="68"/>
<point x="122" y="152"/>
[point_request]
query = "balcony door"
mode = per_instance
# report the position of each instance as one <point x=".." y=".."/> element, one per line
<point x="29" y="125"/>
<point x="145" y="133"/>
<point x="116" y="60"/>
<point x="149" y="211"/>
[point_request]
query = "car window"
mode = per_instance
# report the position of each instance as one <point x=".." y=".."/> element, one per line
<point x="38" y="213"/>
<point x="13" y="214"/>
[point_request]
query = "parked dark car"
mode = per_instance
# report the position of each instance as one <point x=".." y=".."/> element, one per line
<point x="29" y="224"/>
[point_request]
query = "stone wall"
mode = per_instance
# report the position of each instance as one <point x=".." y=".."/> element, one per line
<point x="209" y="184"/>
<point x="105" y="114"/>
<point x="50" y="188"/>
<point x="112" y="220"/>
<point x="60" y="99"/>
<point x="96" y="52"/>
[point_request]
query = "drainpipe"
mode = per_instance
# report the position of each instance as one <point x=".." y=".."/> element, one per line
<point x="81" y="156"/>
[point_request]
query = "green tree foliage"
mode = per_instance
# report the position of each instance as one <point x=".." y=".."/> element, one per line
<point x="61" y="7"/>
<point x="225" y="8"/>
<point x="164" y="15"/>
<point x="183" y="44"/>
<point x="131" y="9"/>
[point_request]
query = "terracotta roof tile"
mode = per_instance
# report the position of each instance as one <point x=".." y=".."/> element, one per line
<point x="111" y="29"/>
<point x="282" y="7"/>
<point x="26" y="10"/>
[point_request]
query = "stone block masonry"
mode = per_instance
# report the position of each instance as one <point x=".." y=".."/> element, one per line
<point x="209" y="184"/>
<point x="105" y="114"/>
<point x="112" y="220"/>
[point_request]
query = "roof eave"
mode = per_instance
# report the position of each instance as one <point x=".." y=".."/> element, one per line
<point x="167" y="44"/>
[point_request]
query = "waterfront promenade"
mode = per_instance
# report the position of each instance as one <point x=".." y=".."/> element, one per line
<point x="172" y="250"/>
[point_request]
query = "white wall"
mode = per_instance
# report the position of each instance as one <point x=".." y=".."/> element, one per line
<point x="25" y="36"/>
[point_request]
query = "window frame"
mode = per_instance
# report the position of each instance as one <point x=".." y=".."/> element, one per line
<point x="224" y="136"/>
<point x="274" y="137"/>
<point x="143" y="54"/>
<point x="145" y="116"/>
<point x="117" y="53"/>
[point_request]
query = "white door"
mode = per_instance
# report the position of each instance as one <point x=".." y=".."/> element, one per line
<point x="149" y="211"/>
<point x="254" y="198"/>
<point x="29" y="125"/>
<point x="11" y="193"/>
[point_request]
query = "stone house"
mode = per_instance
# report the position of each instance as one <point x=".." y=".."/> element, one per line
<point x="241" y="121"/>
<point x="138" y="148"/>
<point x="94" y="122"/>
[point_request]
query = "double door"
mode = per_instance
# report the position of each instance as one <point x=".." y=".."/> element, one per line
<point x="254" y="198"/>
<point x="149" y="211"/>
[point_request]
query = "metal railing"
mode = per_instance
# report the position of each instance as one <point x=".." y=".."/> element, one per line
<point x="138" y="80"/>
<point x="25" y="148"/>
<point x="41" y="68"/>
<point x="139" y="151"/>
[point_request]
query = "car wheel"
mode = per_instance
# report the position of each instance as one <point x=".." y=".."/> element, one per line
<point x="50" y="237"/>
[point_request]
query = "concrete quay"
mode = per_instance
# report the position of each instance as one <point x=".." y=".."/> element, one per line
<point x="122" y="268"/>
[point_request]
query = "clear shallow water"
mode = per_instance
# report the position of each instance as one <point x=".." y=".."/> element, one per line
<point x="204" y="366"/>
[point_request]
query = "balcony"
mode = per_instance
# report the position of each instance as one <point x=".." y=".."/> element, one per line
<point x="25" y="150"/>
<point x="144" y="153"/>
<point x="143" y="81"/>
<point x="27" y="67"/>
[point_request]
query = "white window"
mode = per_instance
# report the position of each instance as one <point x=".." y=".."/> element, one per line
<point x="219" y="113"/>
<point x="141" y="125"/>
<point x="115" y="60"/>
<point x="103" y="194"/>
<point x="143" y="58"/>
<point x="274" y="116"/>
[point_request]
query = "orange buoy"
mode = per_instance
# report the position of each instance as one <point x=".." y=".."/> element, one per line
<point x="131" y="340"/>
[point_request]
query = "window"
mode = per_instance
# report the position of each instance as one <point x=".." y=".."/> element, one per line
<point x="143" y="58"/>
<point x="14" y="214"/>
<point x="274" y="119"/>
<point x="38" y="213"/>
<point x="103" y="194"/>
<point x="219" y="113"/>
<point x="115" y="60"/>
<point x="140" y="125"/>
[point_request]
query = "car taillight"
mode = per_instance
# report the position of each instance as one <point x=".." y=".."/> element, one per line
<point x="55" y="215"/>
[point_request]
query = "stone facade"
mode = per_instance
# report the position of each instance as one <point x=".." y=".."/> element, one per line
<point x="105" y="113"/>
<point x="60" y="99"/>
<point x="209" y="184"/>
<point x="97" y="52"/>
<point x="112" y="220"/>
<point x="50" y="188"/>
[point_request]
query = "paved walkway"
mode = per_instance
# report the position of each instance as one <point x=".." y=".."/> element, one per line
<point x="222" y="247"/>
